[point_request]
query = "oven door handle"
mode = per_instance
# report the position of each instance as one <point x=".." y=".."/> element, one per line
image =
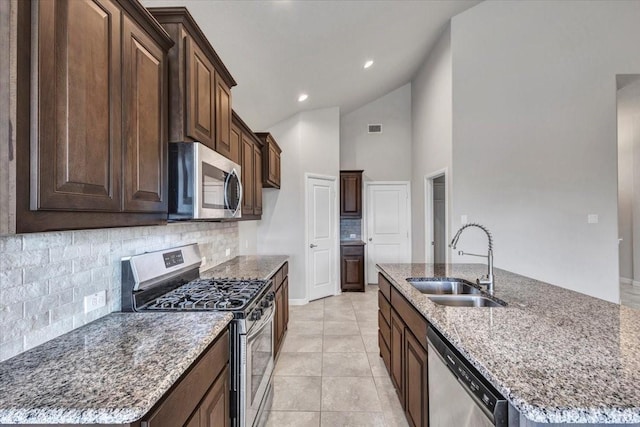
<point x="266" y="322"/>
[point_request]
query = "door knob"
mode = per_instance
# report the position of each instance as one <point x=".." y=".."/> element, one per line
<point x="370" y="239"/>
<point x="313" y="246"/>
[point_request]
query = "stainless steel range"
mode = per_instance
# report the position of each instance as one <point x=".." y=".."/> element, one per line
<point x="169" y="280"/>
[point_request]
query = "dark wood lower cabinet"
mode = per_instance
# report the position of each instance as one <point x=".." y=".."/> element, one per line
<point x="416" y="399"/>
<point x="214" y="409"/>
<point x="352" y="267"/>
<point x="402" y="340"/>
<point x="281" y="318"/>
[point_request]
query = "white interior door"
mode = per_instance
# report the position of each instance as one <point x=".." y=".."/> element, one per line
<point x="388" y="219"/>
<point x="321" y="237"/>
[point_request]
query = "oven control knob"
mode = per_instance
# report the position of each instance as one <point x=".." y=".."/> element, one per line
<point x="265" y="303"/>
<point x="271" y="296"/>
<point x="256" y="314"/>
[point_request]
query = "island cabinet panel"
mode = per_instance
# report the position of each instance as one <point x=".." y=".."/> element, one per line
<point x="144" y="112"/>
<point x="416" y="399"/>
<point x="402" y="339"/>
<point x="76" y="163"/>
<point x="351" y="194"/>
<point x="200" y="86"/>
<point x="202" y="395"/>
<point x="91" y="101"/>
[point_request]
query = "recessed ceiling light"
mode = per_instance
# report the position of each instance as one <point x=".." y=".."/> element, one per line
<point x="368" y="64"/>
<point x="303" y="97"/>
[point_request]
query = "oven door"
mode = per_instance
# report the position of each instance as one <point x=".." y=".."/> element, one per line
<point x="259" y="366"/>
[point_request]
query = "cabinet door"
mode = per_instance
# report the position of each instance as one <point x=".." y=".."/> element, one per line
<point x="351" y="195"/>
<point x="76" y="162"/>
<point x="214" y="409"/>
<point x="194" y="421"/>
<point x="247" y="175"/>
<point x="223" y="119"/>
<point x="278" y="321"/>
<point x="236" y="142"/>
<point x="285" y="303"/>
<point x="274" y="166"/>
<point x="200" y="91"/>
<point x="397" y="347"/>
<point x="257" y="179"/>
<point x="352" y="268"/>
<point x="144" y="121"/>
<point x="417" y="397"/>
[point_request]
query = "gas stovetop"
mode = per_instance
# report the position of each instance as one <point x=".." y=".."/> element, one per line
<point x="210" y="294"/>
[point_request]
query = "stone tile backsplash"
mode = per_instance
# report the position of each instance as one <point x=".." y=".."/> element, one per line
<point x="44" y="277"/>
<point x="350" y="226"/>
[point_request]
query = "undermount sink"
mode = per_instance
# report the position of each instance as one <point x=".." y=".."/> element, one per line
<point x="442" y="287"/>
<point x="466" y="301"/>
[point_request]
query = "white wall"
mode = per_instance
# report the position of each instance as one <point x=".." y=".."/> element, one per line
<point x="310" y="143"/>
<point x="385" y="156"/>
<point x="534" y="134"/>
<point x="431" y="118"/>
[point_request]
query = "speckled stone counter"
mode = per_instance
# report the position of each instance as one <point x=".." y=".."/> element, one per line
<point x="558" y="356"/>
<point x="112" y="370"/>
<point x="247" y="267"/>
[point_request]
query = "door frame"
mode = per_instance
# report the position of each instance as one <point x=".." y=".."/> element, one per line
<point x="365" y="222"/>
<point x="334" y="223"/>
<point x="428" y="213"/>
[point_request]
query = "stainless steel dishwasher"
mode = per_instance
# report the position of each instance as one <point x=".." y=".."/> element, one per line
<point x="458" y="395"/>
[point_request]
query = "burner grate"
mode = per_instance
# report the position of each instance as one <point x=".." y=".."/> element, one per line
<point x="210" y="294"/>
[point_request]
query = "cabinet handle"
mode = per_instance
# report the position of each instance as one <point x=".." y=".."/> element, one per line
<point x="313" y="246"/>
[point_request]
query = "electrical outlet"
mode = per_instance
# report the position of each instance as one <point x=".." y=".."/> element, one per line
<point x="204" y="260"/>
<point x="227" y="252"/>
<point x="463" y="219"/>
<point x="95" y="301"/>
<point x="592" y="219"/>
<point x="246" y="243"/>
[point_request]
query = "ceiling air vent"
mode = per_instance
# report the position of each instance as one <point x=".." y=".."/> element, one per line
<point x="375" y="128"/>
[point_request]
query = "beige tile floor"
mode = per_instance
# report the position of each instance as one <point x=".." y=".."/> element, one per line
<point x="630" y="295"/>
<point x="329" y="372"/>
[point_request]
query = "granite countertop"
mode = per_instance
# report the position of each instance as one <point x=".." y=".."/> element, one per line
<point x="247" y="267"/>
<point x="352" y="243"/>
<point x="558" y="356"/>
<point x="113" y="370"/>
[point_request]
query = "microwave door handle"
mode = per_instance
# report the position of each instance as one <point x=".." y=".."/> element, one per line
<point x="241" y="193"/>
<point x="226" y="189"/>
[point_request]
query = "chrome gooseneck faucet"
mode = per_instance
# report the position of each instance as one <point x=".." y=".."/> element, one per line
<point x="488" y="279"/>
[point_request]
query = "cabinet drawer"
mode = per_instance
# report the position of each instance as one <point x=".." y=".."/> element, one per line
<point x="414" y="320"/>
<point x="353" y="250"/>
<point x="277" y="279"/>
<point x="385" y="286"/>
<point x="285" y="269"/>
<point x="385" y="329"/>
<point x="384" y="352"/>
<point x="185" y="396"/>
<point x="384" y="306"/>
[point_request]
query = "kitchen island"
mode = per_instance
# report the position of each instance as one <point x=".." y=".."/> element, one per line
<point x="556" y="355"/>
<point x="111" y="371"/>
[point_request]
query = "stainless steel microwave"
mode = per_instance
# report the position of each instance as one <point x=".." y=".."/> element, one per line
<point x="203" y="184"/>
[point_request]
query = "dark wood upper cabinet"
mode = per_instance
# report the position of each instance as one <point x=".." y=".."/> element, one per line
<point x="351" y="194"/>
<point x="145" y="127"/>
<point x="199" y="86"/>
<point x="91" y="135"/>
<point x="77" y="157"/>
<point x="251" y="163"/>
<point x="200" y="83"/>
<point x="270" y="160"/>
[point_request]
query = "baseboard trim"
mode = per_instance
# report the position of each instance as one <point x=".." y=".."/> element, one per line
<point x="302" y="301"/>
<point x="626" y="281"/>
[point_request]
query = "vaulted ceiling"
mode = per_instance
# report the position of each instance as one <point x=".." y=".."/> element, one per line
<point x="277" y="50"/>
